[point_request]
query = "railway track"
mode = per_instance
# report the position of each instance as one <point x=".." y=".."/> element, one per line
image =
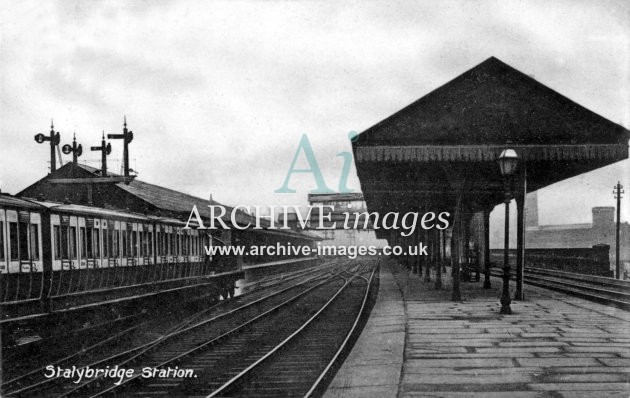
<point x="599" y="289"/>
<point x="236" y="355"/>
<point x="35" y="384"/>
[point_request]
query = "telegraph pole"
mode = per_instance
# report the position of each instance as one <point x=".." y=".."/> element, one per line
<point x="617" y="192"/>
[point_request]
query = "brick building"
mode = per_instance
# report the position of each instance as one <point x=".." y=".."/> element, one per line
<point x="600" y="231"/>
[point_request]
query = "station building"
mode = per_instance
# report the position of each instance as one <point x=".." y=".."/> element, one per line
<point x="343" y="203"/>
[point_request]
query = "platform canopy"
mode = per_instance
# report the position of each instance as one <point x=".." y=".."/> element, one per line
<point x="447" y="143"/>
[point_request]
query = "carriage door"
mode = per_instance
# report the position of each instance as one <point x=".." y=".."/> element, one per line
<point x="148" y="240"/>
<point x="94" y="234"/>
<point x="124" y="244"/>
<point x="73" y="234"/>
<point x="35" y="241"/>
<point x="3" y="243"/>
<point x="55" y="234"/>
<point x="12" y="234"/>
<point x="159" y="246"/>
<point x="105" y="245"/>
<point x="171" y="243"/>
<point x="115" y="253"/>
<point x="83" y="243"/>
<point x="140" y="253"/>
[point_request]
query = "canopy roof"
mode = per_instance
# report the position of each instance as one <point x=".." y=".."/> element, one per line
<point x="493" y="103"/>
<point x="449" y="140"/>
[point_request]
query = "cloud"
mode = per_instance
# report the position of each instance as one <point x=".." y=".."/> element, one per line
<point x="219" y="93"/>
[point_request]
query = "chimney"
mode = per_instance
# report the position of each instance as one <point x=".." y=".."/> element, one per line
<point x="603" y="217"/>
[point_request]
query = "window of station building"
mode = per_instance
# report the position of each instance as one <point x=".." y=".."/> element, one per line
<point x="73" y="242"/>
<point x="96" y="242"/>
<point x="2" y="241"/>
<point x="23" y="235"/>
<point x="34" y="242"/>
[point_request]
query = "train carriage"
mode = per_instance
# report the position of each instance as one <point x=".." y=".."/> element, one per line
<point x="57" y="255"/>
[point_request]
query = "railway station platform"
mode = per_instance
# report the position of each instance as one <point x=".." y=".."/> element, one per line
<point x="418" y="343"/>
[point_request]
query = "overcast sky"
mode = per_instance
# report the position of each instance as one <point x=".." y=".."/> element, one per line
<point x="218" y="94"/>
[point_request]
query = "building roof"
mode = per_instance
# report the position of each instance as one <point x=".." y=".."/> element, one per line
<point x="178" y="204"/>
<point x="491" y="104"/>
<point x="441" y="151"/>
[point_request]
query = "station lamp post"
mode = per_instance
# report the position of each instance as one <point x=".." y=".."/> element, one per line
<point x="508" y="161"/>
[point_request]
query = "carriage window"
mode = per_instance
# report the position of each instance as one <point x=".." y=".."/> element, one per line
<point x="96" y="242"/>
<point x="84" y="243"/>
<point x="23" y="233"/>
<point x="13" y="240"/>
<point x="134" y="243"/>
<point x="177" y="244"/>
<point x="1" y="241"/>
<point x="150" y="244"/>
<point x="124" y="242"/>
<point x="115" y="244"/>
<point x="35" y="242"/>
<point x="57" y="242"/>
<point x="73" y="242"/>
<point x="106" y="243"/>
<point x="64" y="242"/>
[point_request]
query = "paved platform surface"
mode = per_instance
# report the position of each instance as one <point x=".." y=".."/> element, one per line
<point x="553" y="345"/>
<point x="373" y="367"/>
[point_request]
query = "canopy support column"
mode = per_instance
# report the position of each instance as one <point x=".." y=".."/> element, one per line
<point x="520" y="233"/>
<point x="439" y="258"/>
<point x="457" y="248"/>
<point x="427" y="259"/>
<point x="486" y="249"/>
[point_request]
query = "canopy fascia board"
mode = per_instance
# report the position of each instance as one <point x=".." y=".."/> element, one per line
<point x="489" y="153"/>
